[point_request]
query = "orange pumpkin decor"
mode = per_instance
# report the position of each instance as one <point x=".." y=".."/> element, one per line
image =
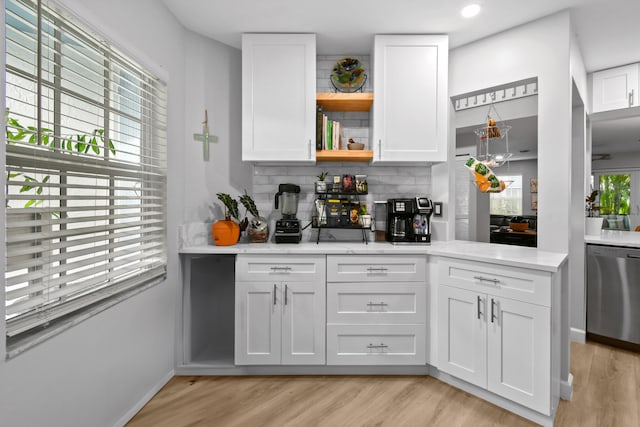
<point x="225" y="232"/>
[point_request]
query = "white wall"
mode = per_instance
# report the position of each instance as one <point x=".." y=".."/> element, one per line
<point x="539" y="49"/>
<point x="213" y="74"/>
<point x="96" y="373"/>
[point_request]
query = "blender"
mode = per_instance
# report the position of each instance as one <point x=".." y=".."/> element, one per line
<point x="288" y="228"/>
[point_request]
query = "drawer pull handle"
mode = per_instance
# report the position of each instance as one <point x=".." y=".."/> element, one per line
<point x="493" y="315"/>
<point x="486" y="279"/>
<point x="479" y="303"/>
<point x="286" y="291"/>
<point x="380" y="346"/>
<point x="377" y="269"/>
<point x="377" y="304"/>
<point x="276" y="268"/>
<point x="274" y="294"/>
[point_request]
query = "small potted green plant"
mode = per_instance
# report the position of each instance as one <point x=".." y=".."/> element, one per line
<point x="365" y="217"/>
<point x="321" y="185"/>
<point x="258" y="226"/>
<point x="593" y="220"/>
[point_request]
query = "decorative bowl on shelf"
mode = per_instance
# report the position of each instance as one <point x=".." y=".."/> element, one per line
<point x="353" y="145"/>
<point x="518" y="224"/>
<point x="348" y="75"/>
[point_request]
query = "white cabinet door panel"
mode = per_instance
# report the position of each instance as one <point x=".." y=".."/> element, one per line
<point x="615" y="88"/>
<point x="257" y="329"/>
<point x="303" y="325"/>
<point x="462" y="335"/>
<point x="278" y="120"/>
<point x="410" y="109"/>
<point x="519" y="349"/>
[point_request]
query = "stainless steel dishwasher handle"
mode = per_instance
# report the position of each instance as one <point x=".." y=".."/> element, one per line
<point x="276" y="268"/>
<point x="633" y="256"/>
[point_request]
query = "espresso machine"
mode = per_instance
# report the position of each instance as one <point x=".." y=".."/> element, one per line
<point x="409" y="220"/>
<point x="288" y="227"/>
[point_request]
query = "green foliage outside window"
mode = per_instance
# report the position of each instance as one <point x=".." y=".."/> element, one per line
<point x="615" y="192"/>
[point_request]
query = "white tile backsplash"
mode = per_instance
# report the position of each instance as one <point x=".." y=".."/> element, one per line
<point x="384" y="182"/>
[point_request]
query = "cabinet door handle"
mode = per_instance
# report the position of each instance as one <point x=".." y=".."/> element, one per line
<point x="631" y="98"/>
<point x="633" y="256"/>
<point x="486" y="279"/>
<point x="479" y="302"/>
<point x="274" y="294"/>
<point x="286" y="289"/>
<point x="377" y="269"/>
<point x="379" y="149"/>
<point x="309" y="149"/>
<point x="376" y="304"/>
<point x="276" y="268"/>
<point x="380" y="346"/>
<point x="493" y="315"/>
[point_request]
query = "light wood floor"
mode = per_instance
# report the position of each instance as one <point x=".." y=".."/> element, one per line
<point x="606" y="393"/>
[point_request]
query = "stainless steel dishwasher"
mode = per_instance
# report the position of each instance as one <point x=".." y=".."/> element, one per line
<point x="613" y="293"/>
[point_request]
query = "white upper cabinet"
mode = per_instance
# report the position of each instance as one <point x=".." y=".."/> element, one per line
<point x="615" y="88"/>
<point x="278" y="97"/>
<point x="410" y="110"/>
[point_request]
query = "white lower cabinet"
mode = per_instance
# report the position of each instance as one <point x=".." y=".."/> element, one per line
<point x="494" y="342"/>
<point x="278" y="321"/>
<point x="376" y="310"/>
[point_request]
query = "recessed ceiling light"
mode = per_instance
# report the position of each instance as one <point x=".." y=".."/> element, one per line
<point x="470" y="11"/>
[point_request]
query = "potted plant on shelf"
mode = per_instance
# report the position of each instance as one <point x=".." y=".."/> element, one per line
<point x="226" y="232"/>
<point x="365" y="218"/>
<point x="258" y="226"/>
<point x="321" y="185"/>
<point x="593" y="220"/>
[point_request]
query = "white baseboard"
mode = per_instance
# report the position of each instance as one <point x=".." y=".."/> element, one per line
<point x="578" y="335"/>
<point x="145" y="399"/>
<point x="566" y="388"/>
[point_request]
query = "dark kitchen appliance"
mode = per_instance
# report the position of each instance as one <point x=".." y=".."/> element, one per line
<point x="613" y="295"/>
<point x="288" y="228"/>
<point x="409" y="220"/>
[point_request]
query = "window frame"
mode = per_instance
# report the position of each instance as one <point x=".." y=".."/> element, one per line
<point x="26" y="339"/>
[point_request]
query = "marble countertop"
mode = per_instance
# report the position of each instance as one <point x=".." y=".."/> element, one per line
<point x="515" y="256"/>
<point x="629" y="239"/>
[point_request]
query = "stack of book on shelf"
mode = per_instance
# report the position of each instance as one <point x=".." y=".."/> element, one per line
<point x="328" y="132"/>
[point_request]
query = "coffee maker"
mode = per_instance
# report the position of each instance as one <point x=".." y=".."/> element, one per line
<point x="409" y="220"/>
<point x="288" y="228"/>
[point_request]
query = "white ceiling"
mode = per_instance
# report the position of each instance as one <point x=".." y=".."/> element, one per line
<point x="607" y="30"/>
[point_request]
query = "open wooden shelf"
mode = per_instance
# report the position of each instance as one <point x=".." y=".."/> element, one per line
<point x="345" y="101"/>
<point x="344" y="155"/>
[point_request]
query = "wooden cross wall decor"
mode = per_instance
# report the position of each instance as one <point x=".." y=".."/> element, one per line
<point x="205" y="137"/>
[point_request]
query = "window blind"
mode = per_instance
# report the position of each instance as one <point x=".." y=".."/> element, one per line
<point x="85" y="168"/>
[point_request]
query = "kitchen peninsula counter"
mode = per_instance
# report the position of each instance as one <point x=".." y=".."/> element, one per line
<point x="513" y="256"/>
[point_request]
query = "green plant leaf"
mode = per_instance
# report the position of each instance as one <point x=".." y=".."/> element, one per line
<point x="39" y="190"/>
<point x="25" y="188"/>
<point x="112" y="147"/>
<point x="29" y="203"/>
<point x="94" y="145"/>
<point x="69" y="144"/>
